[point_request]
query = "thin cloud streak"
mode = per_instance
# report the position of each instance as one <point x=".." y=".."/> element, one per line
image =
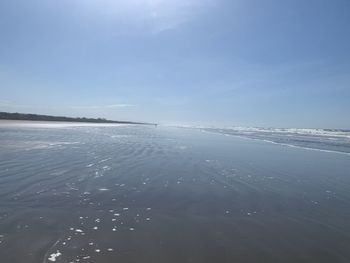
<point x="12" y="104"/>
<point x="122" y="105"/>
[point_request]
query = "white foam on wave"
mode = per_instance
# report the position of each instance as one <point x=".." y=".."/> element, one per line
<point x="335" y="133"/>
<point x="303" y="147"/>
<point x="300" y="131"/>
<point x="344" y="135"/>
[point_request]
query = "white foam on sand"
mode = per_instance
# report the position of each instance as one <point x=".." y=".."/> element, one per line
<point x="53" y="256"/>
<point x="104" y="160"/>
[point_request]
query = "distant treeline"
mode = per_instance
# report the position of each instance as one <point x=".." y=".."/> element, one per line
<point x="37" y="117"/>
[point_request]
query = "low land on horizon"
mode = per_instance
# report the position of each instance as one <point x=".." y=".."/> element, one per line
<point x="39" y="117"/>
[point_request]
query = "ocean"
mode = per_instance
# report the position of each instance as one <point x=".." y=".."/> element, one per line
<point x="133" y="193"/>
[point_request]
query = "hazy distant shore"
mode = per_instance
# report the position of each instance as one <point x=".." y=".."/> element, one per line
<point x="37" y="117"/>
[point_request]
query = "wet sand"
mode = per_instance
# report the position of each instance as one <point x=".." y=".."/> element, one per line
<point x="144" y="194"/>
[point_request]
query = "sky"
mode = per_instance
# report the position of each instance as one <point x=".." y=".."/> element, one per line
<point x="268" y="63"/>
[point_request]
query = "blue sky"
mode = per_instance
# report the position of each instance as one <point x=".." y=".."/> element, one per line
<point x="236" y="62"/>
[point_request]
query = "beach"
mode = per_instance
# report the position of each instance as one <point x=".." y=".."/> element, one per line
<point x="131" y="193"/>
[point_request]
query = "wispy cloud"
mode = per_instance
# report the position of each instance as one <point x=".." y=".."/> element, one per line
<point x="120" y="105"/>
<point x="156" y="15"/>
<point x="12" y="104"/>
<point x="7" y="104"/>
<point x="110" y="106"/>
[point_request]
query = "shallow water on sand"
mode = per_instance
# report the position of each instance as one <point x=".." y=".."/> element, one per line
<point x="145" y="194"/>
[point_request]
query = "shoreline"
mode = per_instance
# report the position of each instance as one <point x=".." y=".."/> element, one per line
<point x="56" y="124"/>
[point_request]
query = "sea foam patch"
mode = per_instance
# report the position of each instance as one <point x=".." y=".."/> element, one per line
<point x="54" y="256"/>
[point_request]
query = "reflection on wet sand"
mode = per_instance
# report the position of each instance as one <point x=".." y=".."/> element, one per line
<point x="140" y="194"/>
